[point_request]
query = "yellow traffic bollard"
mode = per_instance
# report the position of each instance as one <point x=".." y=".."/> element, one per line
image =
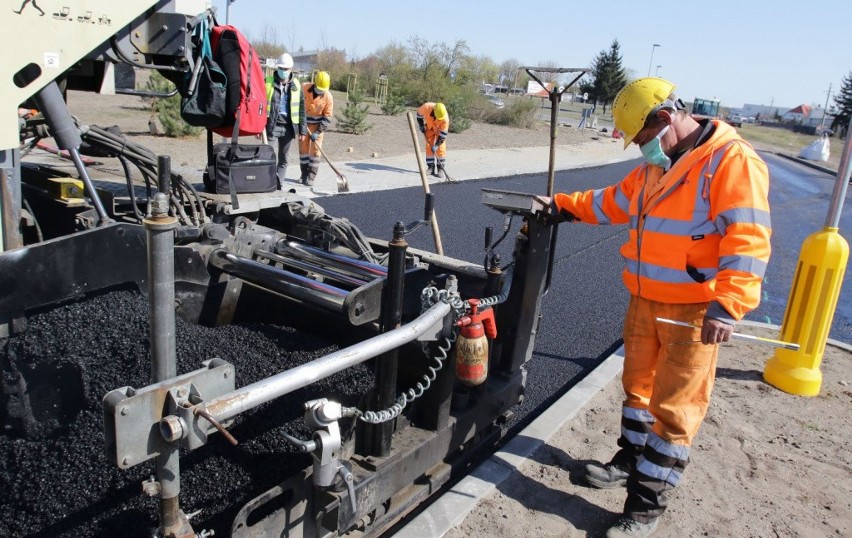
<point x="810" y="309"/>
<point x="813" y="296"/>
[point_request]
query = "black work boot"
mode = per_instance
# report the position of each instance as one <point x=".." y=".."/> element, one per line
<point x="627" y="527"/>
<point x="613" y="474"/>
<point x="606" y="475"/>
<point x="434" y="171"/>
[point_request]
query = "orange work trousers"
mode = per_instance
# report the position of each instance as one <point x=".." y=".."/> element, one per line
<point x="667" y="370"/>
<point x="309" y="153"/>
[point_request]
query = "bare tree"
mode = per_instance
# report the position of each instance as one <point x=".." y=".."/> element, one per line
<point x="510" y="69"/>
<point x="547" y="77"/>
<point x="268" y="44"/>
<point x="450" y="56"/>
<point x="424" y="54"/>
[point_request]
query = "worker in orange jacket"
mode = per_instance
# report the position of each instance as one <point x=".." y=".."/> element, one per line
<point x="434" y="122"/>
<point x="696" y="252"/>
<point x="319" y="108"/>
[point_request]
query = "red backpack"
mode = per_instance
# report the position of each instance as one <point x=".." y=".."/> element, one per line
<point x="245" y="102"/>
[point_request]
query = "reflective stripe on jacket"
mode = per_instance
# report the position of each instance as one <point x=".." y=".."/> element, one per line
<point x="436" y="130"/>
<point x="699" y="232"/>
<point x="318" y="108"/>
<point x="297" y="105"/>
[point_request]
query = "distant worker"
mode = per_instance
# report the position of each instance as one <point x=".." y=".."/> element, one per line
<point x="319" y="107"/>
<point x="434" y="122"/>
<point x="696" y="252"/>
<point x="286" y="116"/>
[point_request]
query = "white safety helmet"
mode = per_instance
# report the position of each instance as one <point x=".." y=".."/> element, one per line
<point x="285" y="61"/>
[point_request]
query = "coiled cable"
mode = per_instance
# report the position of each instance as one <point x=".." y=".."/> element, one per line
<point x="428" y="297"/>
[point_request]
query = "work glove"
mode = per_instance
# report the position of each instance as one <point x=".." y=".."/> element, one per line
<point x="557" y="215"/>
<point x="314" y="136"/>
<point x="434" y="149"/>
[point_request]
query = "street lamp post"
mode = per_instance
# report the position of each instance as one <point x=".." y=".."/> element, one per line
<point x="652" y="58"/>
<point x="657" y="72"/>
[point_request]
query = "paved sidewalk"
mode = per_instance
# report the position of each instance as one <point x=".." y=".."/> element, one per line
<point x="462" y="165"/>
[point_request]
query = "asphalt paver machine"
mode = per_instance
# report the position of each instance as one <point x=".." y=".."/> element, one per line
<point x="238" y="445"/>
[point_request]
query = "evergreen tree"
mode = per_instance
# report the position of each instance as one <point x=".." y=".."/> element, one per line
<point x="393" y="105"/>
<point x="843" y="100"/>
<point x="167" y="109"/>
<point x="354" y="118"/>
<point x="608" y="75"/>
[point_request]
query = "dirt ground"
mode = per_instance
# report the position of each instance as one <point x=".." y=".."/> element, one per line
<point x="765" y="463"/>
<point x="389" y="136"/>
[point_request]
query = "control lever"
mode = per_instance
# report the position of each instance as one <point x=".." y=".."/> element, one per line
<point x="349" y="480"/>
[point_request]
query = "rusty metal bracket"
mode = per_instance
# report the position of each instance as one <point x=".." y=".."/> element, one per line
<point x="133" y="419"/>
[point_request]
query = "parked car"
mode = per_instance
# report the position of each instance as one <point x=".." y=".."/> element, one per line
<point x="735" y="119"/>
<point x="496" y="101"/>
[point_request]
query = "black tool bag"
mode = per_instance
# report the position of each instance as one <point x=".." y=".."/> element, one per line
<point x="204" y="90"/>
<point x="250" y="168"/>
<point x="239" y="168"/>
<point x="204" y="104"/>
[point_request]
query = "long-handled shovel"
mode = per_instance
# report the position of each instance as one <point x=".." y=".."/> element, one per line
<point x="342" y="183"/>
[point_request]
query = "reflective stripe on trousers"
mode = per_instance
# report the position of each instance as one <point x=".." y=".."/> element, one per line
<point x="668" y="373"/>
<point x="309" y="155"/>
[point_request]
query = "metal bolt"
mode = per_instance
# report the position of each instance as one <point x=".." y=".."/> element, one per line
<point x="172" y="428"/>
<point x="359" y="308"/>
<point x="151" y="487"/>
<point x="123" y="411"/>
<point x="125" y="461"/>
<point x="181" y="392"/>
<point x="227" y="373"/>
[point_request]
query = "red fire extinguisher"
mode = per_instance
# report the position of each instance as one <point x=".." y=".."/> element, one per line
<point x="472" y="344"/>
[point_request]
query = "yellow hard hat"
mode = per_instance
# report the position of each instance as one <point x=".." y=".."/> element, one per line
<point x="440" y="111"/>
<point x="322" y="81"/>
<point x="635" y="101"/>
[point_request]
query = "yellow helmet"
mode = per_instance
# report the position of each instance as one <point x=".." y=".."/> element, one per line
<point x="440" y="111"/>
<point x="635" y="101"/>
<point x="322" y="81"/>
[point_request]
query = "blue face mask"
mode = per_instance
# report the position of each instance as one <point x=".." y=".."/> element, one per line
<point x="283" y="74"/>
<point x="653" y="151"/>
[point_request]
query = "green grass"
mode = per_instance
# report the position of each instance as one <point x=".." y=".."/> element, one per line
<point x="788" y="142"/>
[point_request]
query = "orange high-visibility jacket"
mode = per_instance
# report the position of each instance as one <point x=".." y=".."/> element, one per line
<point x="318" y="109"/>
<point x="698" y="233"/>
<point x="436" y="130"/>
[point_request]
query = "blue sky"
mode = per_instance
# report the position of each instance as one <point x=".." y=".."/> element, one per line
<point x="747" y="51"/>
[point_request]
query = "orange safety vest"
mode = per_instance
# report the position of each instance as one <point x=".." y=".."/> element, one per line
<point x="699" y="232"/>
<point x="318" y="109"/>
<point x="436" y="130"/>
